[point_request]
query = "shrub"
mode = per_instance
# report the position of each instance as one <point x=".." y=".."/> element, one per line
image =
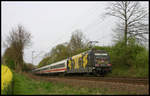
<point x="9" y="62"/>
<point x="6" y="79"/>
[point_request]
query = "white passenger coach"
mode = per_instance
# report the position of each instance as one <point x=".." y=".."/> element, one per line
<point x="60" y="66"/>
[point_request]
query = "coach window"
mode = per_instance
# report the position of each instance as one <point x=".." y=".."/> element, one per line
<point x="52" y="67"/>
<point x="45" y="68"/>
<point x="62" y="65"/>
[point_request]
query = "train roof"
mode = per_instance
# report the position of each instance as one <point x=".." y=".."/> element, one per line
<point x="56" y="63"/>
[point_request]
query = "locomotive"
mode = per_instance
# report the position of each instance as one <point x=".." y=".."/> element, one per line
<point x="96" y="62"/>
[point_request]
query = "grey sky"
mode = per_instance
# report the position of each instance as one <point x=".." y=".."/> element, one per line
<point x="52" y="23"/>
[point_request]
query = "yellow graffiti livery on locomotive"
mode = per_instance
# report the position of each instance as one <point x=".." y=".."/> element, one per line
<point x="76" y="61"/>
<point x="69" y="64"/>
<point x="85" y="60"/>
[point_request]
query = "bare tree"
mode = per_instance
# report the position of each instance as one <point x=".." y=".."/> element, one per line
<point x="77" y="41"/>
<point x="17" y="40"/>
<point x="132" y="20"/>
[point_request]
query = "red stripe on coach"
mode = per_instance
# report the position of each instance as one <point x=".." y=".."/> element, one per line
<point x="53" y="70"/>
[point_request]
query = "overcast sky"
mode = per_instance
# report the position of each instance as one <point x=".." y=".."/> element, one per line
<point x="51" y="23"/>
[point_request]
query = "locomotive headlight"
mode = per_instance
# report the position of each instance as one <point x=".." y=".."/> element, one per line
<point x="93" y="67"/>
<point x="109" y="64"/>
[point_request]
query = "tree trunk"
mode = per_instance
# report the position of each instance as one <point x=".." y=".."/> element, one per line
<point x="125" y="32"/>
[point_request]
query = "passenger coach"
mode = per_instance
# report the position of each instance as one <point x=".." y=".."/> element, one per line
<point x="57" y="67"/>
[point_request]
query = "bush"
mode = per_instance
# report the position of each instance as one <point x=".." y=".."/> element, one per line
<point x="141" y="63"/>
<point x="9" y="63"/>
<point x="129" y="60"/>
<point x="6" y="80"/>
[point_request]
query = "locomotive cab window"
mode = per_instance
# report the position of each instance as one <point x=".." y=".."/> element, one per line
<point x="101" y="55"/>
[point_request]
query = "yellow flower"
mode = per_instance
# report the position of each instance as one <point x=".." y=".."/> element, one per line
<point x="6" y="76"/>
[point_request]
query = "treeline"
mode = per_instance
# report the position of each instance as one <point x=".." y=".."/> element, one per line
<point x="77" y="44"/>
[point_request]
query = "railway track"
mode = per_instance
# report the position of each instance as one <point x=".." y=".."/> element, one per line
<point x="141" y="81"/>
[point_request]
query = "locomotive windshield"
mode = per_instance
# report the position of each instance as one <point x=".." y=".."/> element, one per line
<point x="101" y="55"/>
<point x="101" y="58"/>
